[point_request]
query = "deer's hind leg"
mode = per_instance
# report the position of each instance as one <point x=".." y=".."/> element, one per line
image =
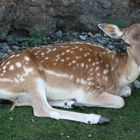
<point x="101" y="100"/>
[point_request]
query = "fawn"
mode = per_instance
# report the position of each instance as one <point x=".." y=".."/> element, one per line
<point x="75" y="73"/>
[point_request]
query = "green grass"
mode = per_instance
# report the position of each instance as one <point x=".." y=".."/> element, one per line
<point x="20" y="124"/>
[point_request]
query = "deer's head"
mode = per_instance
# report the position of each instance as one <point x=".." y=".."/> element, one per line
<point x="130" y="35"/>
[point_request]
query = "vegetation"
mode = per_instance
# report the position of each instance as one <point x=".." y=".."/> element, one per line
<point x="28" y="41"/>
<point x="20" y="124"/>
<point x="120" y="23"/>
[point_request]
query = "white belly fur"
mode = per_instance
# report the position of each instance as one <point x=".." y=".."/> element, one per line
<point x="64" y="94"/>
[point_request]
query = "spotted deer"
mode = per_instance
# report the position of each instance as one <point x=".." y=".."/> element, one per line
<point x="70" y="74"/>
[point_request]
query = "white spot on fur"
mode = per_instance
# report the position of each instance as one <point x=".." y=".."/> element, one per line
<point x="83" y="82"/>
<point x="91" y="69"/>
<point x="5" y="80"/>
<point x="17" y="55"/>
<point x="4" y="67"/>
<point x="98" y="74"/>
<point x="82" y="65"/>
<point x="73" y="61"/>
<point x="67" y="58"/>
<point x="97" y="68"/>
<point x="11" y="67"/>
<point x="67" y="50"/>
<point x="26" y="58"/>
<point x="62" y="60"/>
<point x="56" y="74"/>
<point x="4" y="71"/>
<point x="54" y="49"/>
<point x="89" y="60"/>
<point x="62" y="53"/>
<point x="16" y="80"/>
<point x="105" y="71"/>
<point x="97" y="62"/>
<point x="27" y="71"/>
<point x="18" y="64"/>
<point x="69" y="64"/>
<point x="106" y="78"/>
<point x="8" y="63"/>
<point x="12" y="56"/>
<point x="42" y="54"/>
<point x="46" y="58"/>
<point x="107" y="65"/>
<point x="81" y="49"/>
<point x="77" y="57"/>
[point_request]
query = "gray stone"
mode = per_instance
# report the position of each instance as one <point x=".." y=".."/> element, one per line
<point x="137" y="84"/>
<point x="1" y="55"/>
<point x="91" y="35"/>
<point x="9" y="51"/>
<point x="5" y="47"/>
<point x="59" y="34"/>
<point x="97" y="35"/>
<point x="15" y="47"/>
<point x="83" y="37"/>
<point x="110" y="46"/>
<point x="89" y="135"/>
<point x="105" y="3"/>
<point x="102" y="41"/>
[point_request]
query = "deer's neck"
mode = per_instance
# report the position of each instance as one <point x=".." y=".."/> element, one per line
<point x="128" y="70"/>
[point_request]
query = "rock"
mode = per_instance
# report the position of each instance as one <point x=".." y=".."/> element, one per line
<point x="5" y="47"/>
<point x="62" y="134"/>
<point x="59" y="34"/>
<point x="15" y="47"/>
<point x="105" y="4"/>
<point x="137" y="84"/>
<point x="11" y="118"/>
<point x="90" y="35"/>
<point x="89" y="135"/>
<point x="9" y="51"/>
<point x="65" y="15"/>
<point x="9" y="11"/>
<point x="111" y="47"/>
<point x="67" y="136"/>
<point x="83" y="37"/>
<point x="102" y="41"/>
<point x="97" y="35"/>
<point x="1" y="55"/>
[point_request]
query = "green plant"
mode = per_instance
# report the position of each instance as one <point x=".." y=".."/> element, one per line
<point x="34" y="39"/>
<point x="117" y="22"/>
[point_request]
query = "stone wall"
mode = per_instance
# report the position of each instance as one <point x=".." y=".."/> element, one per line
<point x="65" y="15"/>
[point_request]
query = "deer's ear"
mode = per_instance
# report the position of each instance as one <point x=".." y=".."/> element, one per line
<point x="111" y="30"/>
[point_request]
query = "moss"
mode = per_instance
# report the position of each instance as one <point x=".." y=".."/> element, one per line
<point x="119" y="23"/>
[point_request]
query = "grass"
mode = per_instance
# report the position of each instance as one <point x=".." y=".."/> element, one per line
<point x="20" y="124"/>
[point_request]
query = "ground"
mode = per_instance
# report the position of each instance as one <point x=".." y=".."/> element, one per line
<point x="20" y="124"/>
